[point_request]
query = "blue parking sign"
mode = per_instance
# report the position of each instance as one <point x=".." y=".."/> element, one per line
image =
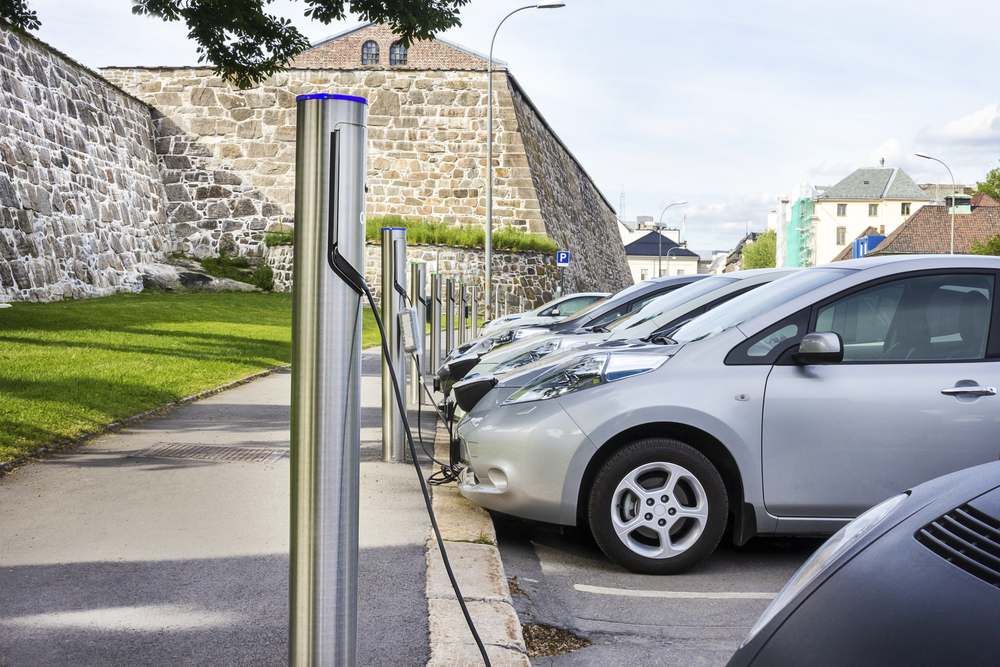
<point x="562" y="258"/>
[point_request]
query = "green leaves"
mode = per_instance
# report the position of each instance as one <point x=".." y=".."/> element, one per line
<point x="21" y="18"/>
<point x="761" y="253"/>
<point x="991" y="187"/>
<point x="246" y="44"/>
<point x="242" y="41"/>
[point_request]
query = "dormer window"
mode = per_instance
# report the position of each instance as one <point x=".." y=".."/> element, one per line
<point x="397" y="54"/>
<point x="369" y="53"/>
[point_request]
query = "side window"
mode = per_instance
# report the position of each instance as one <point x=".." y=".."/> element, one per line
<point x="636" y="305"/>
<point x="766" y="347"/>
<point x="920" y="318"/>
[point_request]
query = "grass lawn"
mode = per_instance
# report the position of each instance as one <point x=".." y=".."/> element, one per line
<point x="74" y="366"/>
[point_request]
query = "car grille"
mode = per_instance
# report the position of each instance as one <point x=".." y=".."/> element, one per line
<point x="967" y="538"/>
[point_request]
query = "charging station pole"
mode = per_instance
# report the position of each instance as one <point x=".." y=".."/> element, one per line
<point x="449" y="325"/>
<point x="393" y="303"/>
<point x="418" y="283"/>
<point x="463" y="302"/>
<point x="331" y="140"/>
<point x="474" y="311"/>
<point x="435" y="322"/>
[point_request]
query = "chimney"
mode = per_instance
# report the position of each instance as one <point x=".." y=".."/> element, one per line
<point x="881" y="162"/>
<point x="881" y="230"/>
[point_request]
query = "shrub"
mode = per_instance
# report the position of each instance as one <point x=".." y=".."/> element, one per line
<point x="263" y="277"/>
<point x="279" y="238"/>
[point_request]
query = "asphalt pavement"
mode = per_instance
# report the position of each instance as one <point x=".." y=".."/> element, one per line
<point x="112" y="559"/>
<point x="694" y="619"/>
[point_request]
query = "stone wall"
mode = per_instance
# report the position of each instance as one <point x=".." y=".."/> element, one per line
<point x="81" y="204"/>
<point x="426" y="156"/>
<point x="575" y="213"/>
<point x="528" y="274"/>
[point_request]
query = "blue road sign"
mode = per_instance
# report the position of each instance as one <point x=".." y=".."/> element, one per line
<point x="562" y="258"/>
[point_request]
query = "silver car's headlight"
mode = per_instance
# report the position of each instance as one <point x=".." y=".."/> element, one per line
<point x="534" y="354"/>
<point x="589" y="371"/>
<point x="825" y="556"/>
<point x="528" y="332"/>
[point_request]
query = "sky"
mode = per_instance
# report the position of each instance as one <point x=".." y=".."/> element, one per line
<point x="725" y="105"/>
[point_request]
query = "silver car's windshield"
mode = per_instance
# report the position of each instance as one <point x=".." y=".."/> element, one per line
<point x="764" y="298"/>
<point x="669" y="301"/>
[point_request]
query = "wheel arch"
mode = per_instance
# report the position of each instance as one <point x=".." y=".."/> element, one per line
<point x="741" y="513"/>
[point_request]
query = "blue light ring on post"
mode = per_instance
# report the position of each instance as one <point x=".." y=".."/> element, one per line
<point x="328" y="96"/>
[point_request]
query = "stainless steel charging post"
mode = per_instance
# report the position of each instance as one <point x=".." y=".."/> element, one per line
<point x="393" y="303"/>
<point x="331" y="140"/>
<point x="418" y="299"/>
<point x="474" y="312"/>
<point x="435" y="322"/>
<point x="449" y="324"/>
<point x="463" y="307"/>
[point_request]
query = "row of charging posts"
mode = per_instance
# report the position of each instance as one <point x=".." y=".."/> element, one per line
<point x="328" y="288"/>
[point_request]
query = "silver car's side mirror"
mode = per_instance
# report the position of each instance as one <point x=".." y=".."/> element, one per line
<point x="826" y="347"/>
<point x="555" y="313"/>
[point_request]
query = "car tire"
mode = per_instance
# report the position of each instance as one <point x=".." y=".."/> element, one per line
<point x="658" y="506"/>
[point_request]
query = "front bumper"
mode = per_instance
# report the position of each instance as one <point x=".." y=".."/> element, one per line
<point x="525" y="460"/>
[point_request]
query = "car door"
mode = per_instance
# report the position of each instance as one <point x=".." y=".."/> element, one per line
<point x="909" y="402"/>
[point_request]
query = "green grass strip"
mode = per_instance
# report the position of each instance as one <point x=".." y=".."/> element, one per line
<point x="438" y="233"/>
<point x="73" y="367"/>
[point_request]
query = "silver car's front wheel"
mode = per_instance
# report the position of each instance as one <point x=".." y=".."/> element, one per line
<point x="658" y="506"/>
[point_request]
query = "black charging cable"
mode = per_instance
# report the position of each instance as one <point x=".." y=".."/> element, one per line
<point x="420" y="475"/>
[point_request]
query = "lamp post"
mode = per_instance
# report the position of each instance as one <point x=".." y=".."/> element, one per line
<point x="954" y="191"/>
<point x="659" y="238"/>
<point x="488" y="288"/>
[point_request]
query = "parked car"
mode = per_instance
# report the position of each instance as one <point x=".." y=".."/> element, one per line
<point x="660" y="315"/>
<point x="598" y="314"/>
<point x="788" y="410"/>
<point x="611" y="308"/>
<point x="912" y="581"/>
<point x="552" y="311"/>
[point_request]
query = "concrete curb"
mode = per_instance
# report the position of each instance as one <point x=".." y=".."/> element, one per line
<point x="471" y="544"/>
<point x="9" y="466"/>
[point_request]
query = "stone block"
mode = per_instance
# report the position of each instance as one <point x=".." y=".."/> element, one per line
<point x="211" y="192"/>
<point x="250" y="129"/>
<point x="203" y="126"/>
<point x="226" y="178"/>
<point x="231" y="101"/>
<point x="258" y="149"/>
<point x="285" y="133"/>
<point x="243" y="208"/>
<point x="230" y="151"/>
<point x="241" y="114"/>
<point x="497" y="624"/>
<point x="203" y="97"/>
<point x="186" y="213"/>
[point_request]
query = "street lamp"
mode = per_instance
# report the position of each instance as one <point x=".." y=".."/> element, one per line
<point x="954" y="191"/>
<point x="659" y="238"/>
<point x="541" y="4"/>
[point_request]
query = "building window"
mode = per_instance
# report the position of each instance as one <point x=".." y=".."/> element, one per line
<point x="841" y="235"/>
<point x="904" y="209"/>
<point x="841" y="210"/>
<point x="645" y="274"/>
<point x="680" y="272"/>
<point x="397" y="54"/>
<point x="369" y="53"/>
<point x="872" y="210"/>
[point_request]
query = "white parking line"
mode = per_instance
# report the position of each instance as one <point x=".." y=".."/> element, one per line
<point x="677" y="595"/>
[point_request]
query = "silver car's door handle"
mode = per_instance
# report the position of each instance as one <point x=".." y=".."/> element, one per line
<point x="973" y="391"/>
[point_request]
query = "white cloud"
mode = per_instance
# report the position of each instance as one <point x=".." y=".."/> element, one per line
<point x="977" y="131"/>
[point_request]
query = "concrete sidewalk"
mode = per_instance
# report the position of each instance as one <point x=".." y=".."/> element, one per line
<point x="111" y="559"/>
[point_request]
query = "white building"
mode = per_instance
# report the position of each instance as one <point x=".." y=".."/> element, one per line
<point x="658" y="254"/>
<point x="882" y="198"/>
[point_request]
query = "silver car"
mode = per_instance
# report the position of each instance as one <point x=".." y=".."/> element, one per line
<point x="788" y="410"/>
